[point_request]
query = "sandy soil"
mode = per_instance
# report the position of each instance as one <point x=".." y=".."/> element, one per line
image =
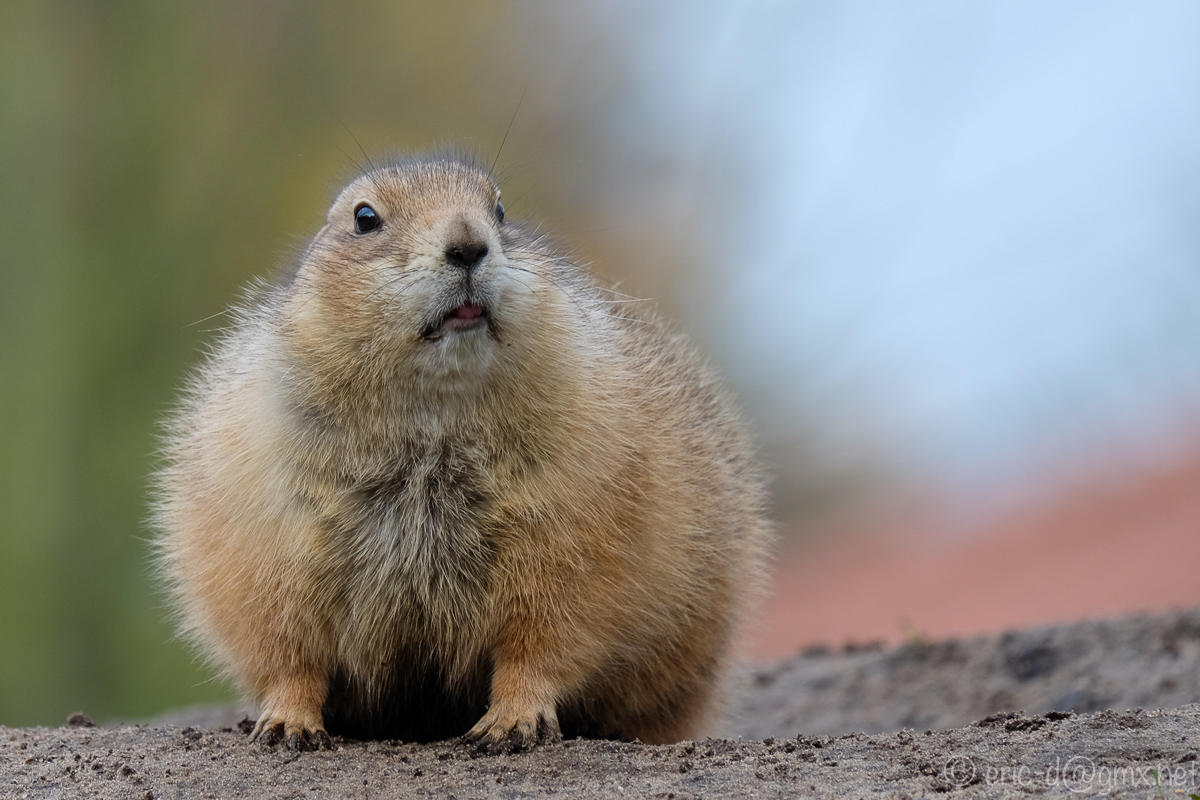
<point x="803" y="707"/>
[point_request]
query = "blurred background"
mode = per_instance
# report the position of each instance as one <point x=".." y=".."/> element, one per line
<point x="947" y="254"/>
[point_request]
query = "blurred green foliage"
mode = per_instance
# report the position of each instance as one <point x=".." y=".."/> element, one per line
<point x="155" y="157"/>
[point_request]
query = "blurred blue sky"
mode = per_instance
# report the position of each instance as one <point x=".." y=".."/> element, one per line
<point x="964" y="231"/>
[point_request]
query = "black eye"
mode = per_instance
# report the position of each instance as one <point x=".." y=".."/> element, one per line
<point x="365" y="219"/>
<point x="499" y="211"/>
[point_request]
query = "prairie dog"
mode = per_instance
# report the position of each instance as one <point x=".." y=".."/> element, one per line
<point x="437" y="482"/>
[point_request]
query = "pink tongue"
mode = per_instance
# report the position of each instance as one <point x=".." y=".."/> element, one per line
<point x="468" y="311"/>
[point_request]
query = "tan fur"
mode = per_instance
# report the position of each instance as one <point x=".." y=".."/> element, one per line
<point x="558" y="517"/>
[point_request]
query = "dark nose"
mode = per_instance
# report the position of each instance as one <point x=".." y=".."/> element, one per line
<point x="466" y="255"/>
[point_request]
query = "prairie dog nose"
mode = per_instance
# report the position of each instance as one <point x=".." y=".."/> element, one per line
<point x="466" y="242"/>
<point x="466" y="254"/>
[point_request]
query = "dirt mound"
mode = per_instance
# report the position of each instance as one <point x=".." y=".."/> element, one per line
<point x="1137" y="662"/>
<point x="1148" y="661"/>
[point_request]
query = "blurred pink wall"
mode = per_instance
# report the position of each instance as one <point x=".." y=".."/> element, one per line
<point x="1106" y="547"/>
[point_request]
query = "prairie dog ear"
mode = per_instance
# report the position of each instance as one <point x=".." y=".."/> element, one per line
<point x="308" y="249"/>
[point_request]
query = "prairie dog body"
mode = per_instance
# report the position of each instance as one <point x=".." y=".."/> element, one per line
<point x="438" y="479"/>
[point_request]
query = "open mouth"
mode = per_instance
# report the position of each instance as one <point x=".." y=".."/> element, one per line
<point x="467" y="317"/>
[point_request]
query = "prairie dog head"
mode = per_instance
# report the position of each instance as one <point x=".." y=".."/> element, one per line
<point x="417" y="275"/>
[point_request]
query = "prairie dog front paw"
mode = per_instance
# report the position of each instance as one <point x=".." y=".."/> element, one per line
<point x="292" y="714"/>
<point x="506" y="728"/>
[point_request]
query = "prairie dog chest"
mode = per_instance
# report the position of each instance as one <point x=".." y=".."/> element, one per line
<point x="427" y="493"/>
<point x="404" y="533"/>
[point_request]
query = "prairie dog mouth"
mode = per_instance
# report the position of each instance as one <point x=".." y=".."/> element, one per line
<point x="466" y="317"/>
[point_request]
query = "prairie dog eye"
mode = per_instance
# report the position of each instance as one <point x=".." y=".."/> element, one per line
<point x="499" y="211"/>
<point x="365" y="219"/>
